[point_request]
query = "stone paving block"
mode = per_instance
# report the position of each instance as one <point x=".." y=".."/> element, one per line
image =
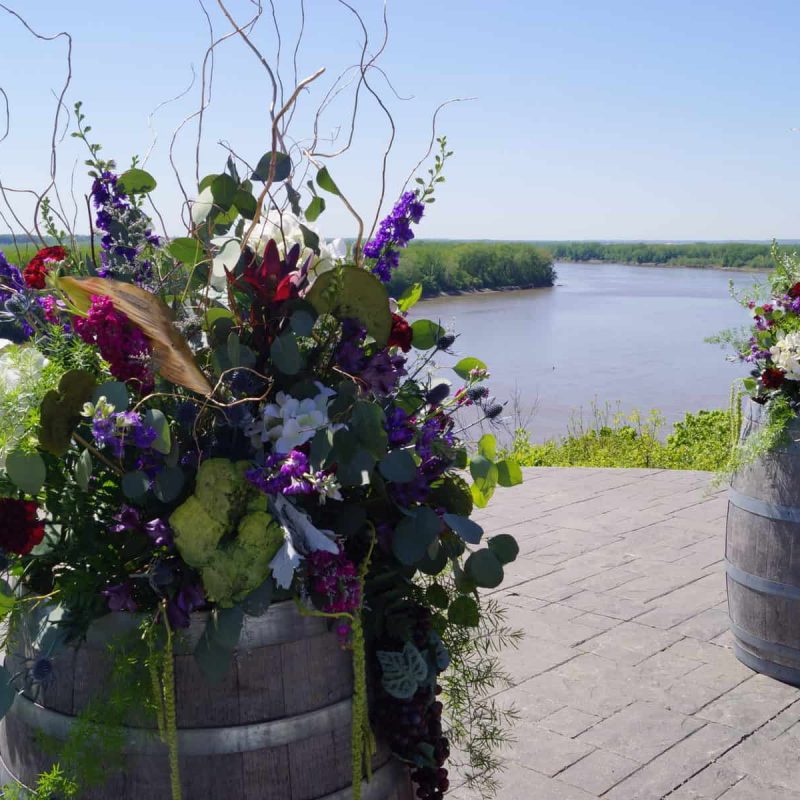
<point x="630" y="643"/>
<point x="641" y="731"/>
<point x="604" y="604"/>
<point x="521" y="783"/>
<point x="751" y="789"/>
<point x="674" y="767"/>
<point x="600" y="694"/>
<point x="569" y="721"/>
<point x="709" y="784"/>
<point x="751" y="704"/>
<point x="598" y="772"/>
<point x="663" y="668"/>
<point x="706" y="625"/>
<point x="530" y="706"/>
<point x="724" y="640"/>
<point x="683" y="602"/>
<point x="545" y="751"/>
<point x="609" y="578"/>
<point x="534" y="656"/>
<point x="722" y="675"/>
<point x="597" y="621"/>
<point x="771" y="761"/>
<point x="785" y="721"/>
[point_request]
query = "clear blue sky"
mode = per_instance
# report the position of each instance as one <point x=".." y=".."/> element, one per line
<point x="615" y="119"/>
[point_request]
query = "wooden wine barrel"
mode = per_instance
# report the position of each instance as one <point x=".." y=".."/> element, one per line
<point x="277" y="727"/>
<point x="762" y="551"/>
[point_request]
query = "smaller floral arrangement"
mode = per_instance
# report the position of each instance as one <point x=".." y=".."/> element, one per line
<point x="773" y="347"/>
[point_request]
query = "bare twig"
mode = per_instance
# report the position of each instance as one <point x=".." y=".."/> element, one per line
<point x="433" y="136"/>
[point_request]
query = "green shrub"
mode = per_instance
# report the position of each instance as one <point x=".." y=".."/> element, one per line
<point x="700" y="441"/>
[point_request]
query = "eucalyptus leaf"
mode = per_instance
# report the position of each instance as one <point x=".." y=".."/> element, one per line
<point x="27" y="471"/>
<point x="398" y="466"/>
<point x="115" y="392"/>
<point x="505" y="547"/>
<point x="414" y="534"/>
<point x="83" y="470"/>
<point x="485" y="569"/>
<point x="410" y="297"/>
<point x="135" y="484"/>
<point x="169" y="484"/>
<point x="223" y="190"/>
<point x="136" y="181"/>
<point x="156" y="420"/>
<point x="508" y="472"/>
<point x="487" y="446"/>
<point x="467" y="529"/>
<point x="283" y="168"/>
<point x="187" y="250"/>
<point x="315" y="208"/>
<point x="324" y="181"/>
<point x="425" y="334"/>
<point x="285" y="354"/>
<point x="368" y="423"/>
<point x="466" y="365"/>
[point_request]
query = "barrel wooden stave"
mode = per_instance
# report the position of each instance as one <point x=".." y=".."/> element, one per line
<point x="302" y="673"/>
<point x="762" y="551"/>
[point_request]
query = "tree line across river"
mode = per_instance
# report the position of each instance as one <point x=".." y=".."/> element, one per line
<point x="452" y="267"/>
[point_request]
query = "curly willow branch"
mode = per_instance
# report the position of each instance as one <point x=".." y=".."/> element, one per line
<point x="60" y="102"/>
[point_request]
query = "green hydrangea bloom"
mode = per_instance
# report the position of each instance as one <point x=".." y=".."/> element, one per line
<point x="223" y="531"/>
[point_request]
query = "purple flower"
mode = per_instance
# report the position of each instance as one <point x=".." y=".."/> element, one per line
<point x="126" y="232"/>
<point x="119" y="597"/>
<point x="394" y="232"/>
<point x="126" y="520"/>
<point x="160" y="532"/>
<point x="383" y="372"/>
<point x="189" y="598"/>
<point x="282" y="474"/>
<point x="399" y="427"/>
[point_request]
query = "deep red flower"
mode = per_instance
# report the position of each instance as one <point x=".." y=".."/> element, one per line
<point x="794" y="291"/>
<point x="772" y="378"/>
<point x="20" y="530"/>
<point x="401" y="334"/>
<point x="37" y="270"/>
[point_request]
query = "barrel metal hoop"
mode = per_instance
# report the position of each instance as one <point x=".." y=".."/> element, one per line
<point x="759" y="584"/>
<point x="201" y="741"/>
<point x="771" y="648"/>
<point x="770" y="668"/>
<point x="763" y="509"/>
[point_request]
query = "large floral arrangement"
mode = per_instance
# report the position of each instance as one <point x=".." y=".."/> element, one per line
<point x="244" y="415"/>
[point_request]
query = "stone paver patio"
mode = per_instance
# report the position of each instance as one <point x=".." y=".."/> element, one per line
<point x="626" y="681"/>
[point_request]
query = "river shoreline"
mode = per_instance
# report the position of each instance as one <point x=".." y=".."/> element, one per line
<point x="715" y="267"/>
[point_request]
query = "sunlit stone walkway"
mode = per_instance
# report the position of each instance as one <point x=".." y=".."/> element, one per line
<point x="626" y="681"/>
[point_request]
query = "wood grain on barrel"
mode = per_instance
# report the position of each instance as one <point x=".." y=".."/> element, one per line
<point x="282" y="671"/>
<point x="762" y="550"/>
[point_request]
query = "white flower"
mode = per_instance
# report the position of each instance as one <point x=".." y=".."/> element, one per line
<point x="786" y="355"/>
<point x="326" y="485"/>
<point x="289" y="423"/>
<point x="286" y="231"/>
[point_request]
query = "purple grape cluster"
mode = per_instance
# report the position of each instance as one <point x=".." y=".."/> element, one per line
<point x="414" y="726"/>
